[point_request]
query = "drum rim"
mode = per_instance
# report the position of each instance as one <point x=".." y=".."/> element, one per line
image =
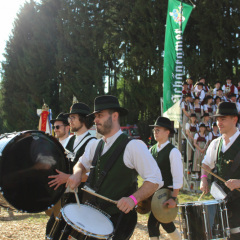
<point x="200" y="203"/>
<point x="73" y="225"/>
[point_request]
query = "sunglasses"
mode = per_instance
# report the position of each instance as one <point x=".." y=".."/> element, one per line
<point x="57" y="127"/>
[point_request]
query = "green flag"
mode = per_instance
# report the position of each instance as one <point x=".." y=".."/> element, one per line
<point x="177" y="17"/>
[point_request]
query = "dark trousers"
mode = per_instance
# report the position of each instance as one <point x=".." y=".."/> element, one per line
<point x="233" y="208"/>
<point x="154" y="224"/>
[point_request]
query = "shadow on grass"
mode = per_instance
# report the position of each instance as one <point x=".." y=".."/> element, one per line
<point x="20" y="217"/>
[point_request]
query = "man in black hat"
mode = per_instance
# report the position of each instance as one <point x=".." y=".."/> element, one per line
<point x="223" y="153"/>
<point x="61" y="128"/>
<point x="79" y="124"/>
<point x="114" y="163"/>
<point x="169" y="161"/>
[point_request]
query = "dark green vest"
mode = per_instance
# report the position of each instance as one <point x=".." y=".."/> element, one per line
<point x="224" y="162"/>
<point x="120" y="180"/>
<point x="163" y="161"/>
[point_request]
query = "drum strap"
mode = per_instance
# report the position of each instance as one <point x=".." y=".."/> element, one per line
<point x="112" y="159"/>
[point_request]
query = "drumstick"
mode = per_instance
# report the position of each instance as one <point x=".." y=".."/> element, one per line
<point x="216" y="176"/>
<point x="201" y="196"/>
<point x="76" y="196"/>
<point x="100" y="196"/>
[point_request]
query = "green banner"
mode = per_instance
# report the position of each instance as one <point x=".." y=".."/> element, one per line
<point x="177" y="17"/>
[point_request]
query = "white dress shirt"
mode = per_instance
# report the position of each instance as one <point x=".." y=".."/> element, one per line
<point x="64" y="142"/>
<point x="210" y="157"/>
<point x="136" y="156"/>
<point x="176" y="166"/>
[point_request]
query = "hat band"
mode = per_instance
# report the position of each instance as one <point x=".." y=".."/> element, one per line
<point x="73" y="111"/>
<point x="106" y="106"/>
<point x="227" y="112"/>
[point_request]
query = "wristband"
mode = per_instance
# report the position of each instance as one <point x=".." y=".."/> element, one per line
<point x="174" y="198"/>
<point x="203" y="176"/>
<point x="134" y="199"/>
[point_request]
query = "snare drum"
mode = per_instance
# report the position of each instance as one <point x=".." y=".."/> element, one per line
<point x="26" y="160"/>
<point x="87" y="221"/>
<point x="204" y="220"/>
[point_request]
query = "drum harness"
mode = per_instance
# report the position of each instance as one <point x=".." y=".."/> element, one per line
<point x="112" y="159"/>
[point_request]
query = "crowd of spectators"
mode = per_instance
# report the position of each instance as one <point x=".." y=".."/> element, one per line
<point x="198" y="104"/>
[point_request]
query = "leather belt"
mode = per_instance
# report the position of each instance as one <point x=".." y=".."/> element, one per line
<point x="235" y="230"/>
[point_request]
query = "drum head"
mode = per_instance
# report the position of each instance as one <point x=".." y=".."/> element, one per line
<point x="87" y="220"/>
<point x="25" y="164"/>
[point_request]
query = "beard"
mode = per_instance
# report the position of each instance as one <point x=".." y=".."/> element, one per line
<point x="75" y="129"/>
<point x="106" y="127"/>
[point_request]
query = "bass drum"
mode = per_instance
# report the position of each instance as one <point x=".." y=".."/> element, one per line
<point x="26" y="160"/>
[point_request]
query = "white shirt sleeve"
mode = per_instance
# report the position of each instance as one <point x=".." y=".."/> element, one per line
<point x="87" y="157"/>
<point x="205" y="108"/>
<point x="235" y="90"/>
<point x="176" y="168"/>
<point x="210" y="136"/>
<point x="187" y="126"/>
<point x="182" y="105"/>
<point x="209" y="158"/>
<point x="196" y="136"/>
<point x="137" y="156"/>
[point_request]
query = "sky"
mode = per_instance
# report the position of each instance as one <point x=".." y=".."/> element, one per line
<point x="8" y="12"/>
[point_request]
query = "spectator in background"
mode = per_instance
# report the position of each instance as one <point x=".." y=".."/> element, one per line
<point x="197" y="109"/>
<point x="217" y="86"/>
<point x="191" y="129"/>
<point x="190" y="84"/>
<point x="185" y="89"/>
<point x="199" y="91"/>
<point x="206" y="121"/>
<point x="229" y="88"/>
<point x="208" y="108"/>
<point x="186" y="108"/>
<point x="214" y="133"/>
<point x="201" y="144"/>
<point x="221" y="95"/>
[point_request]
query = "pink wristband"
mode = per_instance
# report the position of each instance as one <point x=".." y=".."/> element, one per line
<point x="203" y="176"/>
<point x="134" y="199"/>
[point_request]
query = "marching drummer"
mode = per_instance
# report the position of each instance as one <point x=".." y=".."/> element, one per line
<point x="79" y="124"/>
<point x="169" y="161"/>
<point x="223" y="153"/>
<point x="130" y="158"/>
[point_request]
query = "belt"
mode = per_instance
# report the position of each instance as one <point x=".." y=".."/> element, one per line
<point x="235" y="230"/>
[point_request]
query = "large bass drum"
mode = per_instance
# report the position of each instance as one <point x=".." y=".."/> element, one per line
<point x="26" y="160"/>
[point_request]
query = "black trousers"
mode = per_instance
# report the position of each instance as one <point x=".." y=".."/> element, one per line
<point x="233" y="208"/>
<point x="153" y="226"/>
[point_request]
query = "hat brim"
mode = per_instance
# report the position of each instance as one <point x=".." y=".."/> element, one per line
<point x="61" y="120"/>
<point x="165" y="126"/>
<point x="223" y="115"/>
<point x="122" y="111"/>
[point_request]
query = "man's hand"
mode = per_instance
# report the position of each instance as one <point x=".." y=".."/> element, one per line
<point x="58" y="179"/>
<point x="74" y="181"/>
<point x="170" y="203"/>
<point x="204" y="185"/>
<point x="125" y="204"/>
<point x="233" y="184"/>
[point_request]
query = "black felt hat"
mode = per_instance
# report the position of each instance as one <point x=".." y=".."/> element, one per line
<point x="205" y="115"/>
<point x="61" y="117"/>
<point x="79" y="108"/>
<point x="163" y="122"/>
<point x="193" y="115"/>
<point x="226" y="109"/>
<point x="200" y="83"/>
<point x="202" y="125"/>
<point x="108" y="102"/>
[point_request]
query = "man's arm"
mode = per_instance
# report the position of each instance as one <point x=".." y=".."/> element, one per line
<point x="126" y="204"/>
<point x="233" y="184"/>
<point x="204" y="183"/>
<point x="75" y="179"/>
